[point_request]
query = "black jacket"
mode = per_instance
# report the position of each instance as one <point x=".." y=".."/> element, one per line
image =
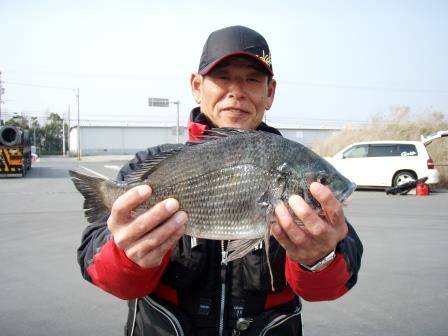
<point x="197" y="295"/>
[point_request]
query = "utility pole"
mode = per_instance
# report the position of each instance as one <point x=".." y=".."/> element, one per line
<point x="79" y="128"/>
<point x="34" y="130"/>
<point x="68" y="117"/>
<point x="2" y="90"/>
<point x="177" y="123"/>
<point x="63" y="136"/>
<point x="68" y="127"/>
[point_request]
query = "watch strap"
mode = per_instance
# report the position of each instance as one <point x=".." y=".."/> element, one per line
<point x="321" y="262"/>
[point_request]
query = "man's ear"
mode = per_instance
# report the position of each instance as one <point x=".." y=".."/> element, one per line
<point x="272" y="85"/>
<point x="196" y="86"/>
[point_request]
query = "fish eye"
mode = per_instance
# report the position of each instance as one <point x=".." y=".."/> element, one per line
<point x="323" y="178"/>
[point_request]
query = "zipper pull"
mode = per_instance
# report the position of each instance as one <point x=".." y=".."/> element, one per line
<point x="223" y="267"/>
<point x="223" y="254"/>
<point x="223" y="258"/>
<point x="223" y="263"/>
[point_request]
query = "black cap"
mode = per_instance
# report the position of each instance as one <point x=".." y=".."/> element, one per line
<point x="231" y="41"/>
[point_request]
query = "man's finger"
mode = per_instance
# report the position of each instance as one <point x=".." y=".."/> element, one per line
<point x="155" y="244"/>
<point x="282" y="238"/>
<point x="287" y="227"/>
<point x="147" y="221"/>
<point x="155" y="257"/>
<point x="164" y="232"/>
<point x="323" y="195"/>
<point x="330" y="205"/>
<point x="169" y="242"/>
<point x="126" y="203"/>
<point x="311" y="220"/>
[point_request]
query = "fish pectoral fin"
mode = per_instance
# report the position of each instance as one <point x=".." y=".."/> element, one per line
<point x="239" y="248"/>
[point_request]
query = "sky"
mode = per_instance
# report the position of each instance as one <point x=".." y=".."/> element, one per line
<point x="336" y="62"/>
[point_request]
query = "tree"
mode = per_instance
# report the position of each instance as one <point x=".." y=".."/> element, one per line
<point x="52" y="135"/>
<point x="18" y="121"/>
<point x="46" y="138"/>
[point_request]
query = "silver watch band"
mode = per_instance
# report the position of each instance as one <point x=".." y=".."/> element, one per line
<point x="321" y="263"/>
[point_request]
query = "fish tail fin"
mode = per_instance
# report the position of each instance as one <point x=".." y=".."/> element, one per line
<point x="90" y="188"/>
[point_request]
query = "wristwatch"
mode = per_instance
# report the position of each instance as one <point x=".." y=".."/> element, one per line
<point x="321" y="263"/>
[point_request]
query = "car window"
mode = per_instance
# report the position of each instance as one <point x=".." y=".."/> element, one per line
<point x="380" y="150"/>
<point x="357" y="151"/>
<point x="407" y="150"/>
<point x="383" y="150"/>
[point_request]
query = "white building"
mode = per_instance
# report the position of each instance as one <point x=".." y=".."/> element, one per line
<point x="117" y="140"/>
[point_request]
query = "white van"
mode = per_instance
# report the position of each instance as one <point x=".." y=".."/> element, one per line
<point x="385" y="163"/>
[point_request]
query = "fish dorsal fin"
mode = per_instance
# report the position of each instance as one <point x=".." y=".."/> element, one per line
<point x="219" y="133"/>
<point x="146" y="167"/>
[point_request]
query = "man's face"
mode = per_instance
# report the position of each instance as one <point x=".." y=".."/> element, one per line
<point x="235" y="93"/>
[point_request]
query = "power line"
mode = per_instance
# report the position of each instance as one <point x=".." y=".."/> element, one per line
<point x="367" y="87"/>
<point x="40" y="86"/>
<point x="310" y="84"/>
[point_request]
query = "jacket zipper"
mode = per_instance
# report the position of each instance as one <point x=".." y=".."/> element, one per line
<point x="279" y="320"/>
<point x="169" y="315"/>
<point x="223" y="288"/>
<point x="134" y="318"/>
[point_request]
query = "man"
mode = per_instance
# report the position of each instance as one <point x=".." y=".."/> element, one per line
<point x="178" y="285"/>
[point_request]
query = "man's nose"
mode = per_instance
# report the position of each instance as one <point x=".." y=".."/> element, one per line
<point x="236" y="88"/>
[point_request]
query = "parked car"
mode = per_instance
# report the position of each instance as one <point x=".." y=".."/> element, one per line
<point x="385" y="163"/>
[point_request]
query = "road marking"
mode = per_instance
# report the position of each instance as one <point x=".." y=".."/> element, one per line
<point x="113" y="167"/>
<point x="95" y="173"/>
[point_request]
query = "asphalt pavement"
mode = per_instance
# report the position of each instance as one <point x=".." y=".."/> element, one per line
<point x="402" y="287"/>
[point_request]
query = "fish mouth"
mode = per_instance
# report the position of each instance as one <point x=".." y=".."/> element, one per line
<point x="342" y="195"/>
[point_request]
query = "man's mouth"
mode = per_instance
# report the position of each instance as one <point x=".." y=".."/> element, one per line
<point x="234" y="110"/>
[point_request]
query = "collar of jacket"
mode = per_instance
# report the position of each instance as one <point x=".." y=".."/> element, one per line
<point x="198" y="123"/>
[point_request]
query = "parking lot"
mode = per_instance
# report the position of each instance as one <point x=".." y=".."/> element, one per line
<point x="402" y="287"/>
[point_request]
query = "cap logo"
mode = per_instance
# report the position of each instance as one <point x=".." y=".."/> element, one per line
<point x="266" y="58"/>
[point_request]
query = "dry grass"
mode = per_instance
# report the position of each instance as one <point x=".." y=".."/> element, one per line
<point x="399" y="125"/>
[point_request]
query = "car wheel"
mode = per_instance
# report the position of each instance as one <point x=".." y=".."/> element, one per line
<point x="404" y="177"/>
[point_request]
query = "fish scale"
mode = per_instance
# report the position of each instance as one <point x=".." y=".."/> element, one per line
<point x="222" y="210"/>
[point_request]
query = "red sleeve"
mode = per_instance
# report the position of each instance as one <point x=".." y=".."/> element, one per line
<point x="115" y="273"/>
<point x="328" y="284"/>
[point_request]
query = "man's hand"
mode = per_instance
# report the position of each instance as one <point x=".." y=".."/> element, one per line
<point x="319" y="235"/>
<point x="146" y="238"/>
